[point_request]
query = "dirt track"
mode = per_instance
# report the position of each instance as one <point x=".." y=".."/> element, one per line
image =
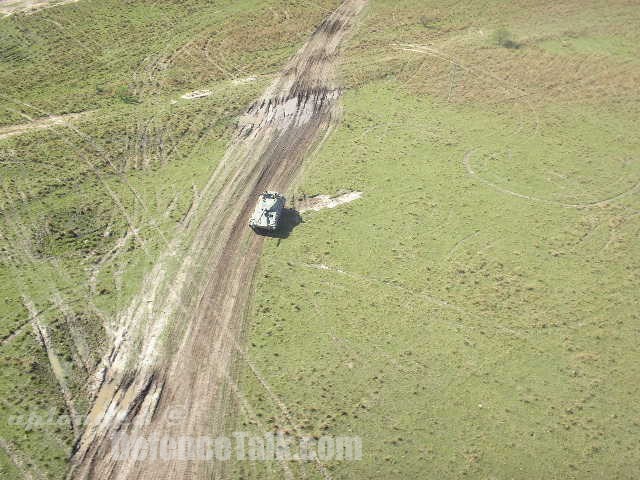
<point x="38" y="124"/>
<point x="199" y="289"/>
<point x="9" y="7"/>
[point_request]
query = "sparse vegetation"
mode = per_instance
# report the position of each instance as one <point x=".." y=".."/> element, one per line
<point x="429" y="22"/>
<point x="473" y="315"/>
<point x="455" y="315"/>
<point x="86" y="206"/>
<point x="504" y="38"/>
<point x="124" y="94"/>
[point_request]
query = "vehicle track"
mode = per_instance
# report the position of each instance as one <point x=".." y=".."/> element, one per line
<point x="149" y="373"/>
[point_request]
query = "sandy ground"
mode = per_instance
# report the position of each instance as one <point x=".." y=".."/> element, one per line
<point x="203" y="300"/>
<point x="9" y="7"/>
<point x="37" y="124"/>
<point x="320" y="202"/>
<point x="207" y="93"/>
<point x="197" y="94"/>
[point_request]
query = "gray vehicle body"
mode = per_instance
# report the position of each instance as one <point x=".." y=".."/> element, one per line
<point x="268" y="212"/>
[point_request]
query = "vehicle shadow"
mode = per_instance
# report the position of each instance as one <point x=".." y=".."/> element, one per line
<point x="289" y="220"/>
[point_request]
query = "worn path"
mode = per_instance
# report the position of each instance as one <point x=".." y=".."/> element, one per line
<point x="149" y="375"/>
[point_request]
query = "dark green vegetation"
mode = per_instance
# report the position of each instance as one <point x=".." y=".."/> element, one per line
<point x="86" y="207"/>
<point x="476" y="313"/>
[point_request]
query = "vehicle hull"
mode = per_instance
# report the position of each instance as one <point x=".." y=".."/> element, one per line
<point x="268" y="212"/>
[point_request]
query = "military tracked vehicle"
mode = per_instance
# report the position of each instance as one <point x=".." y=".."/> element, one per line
<point x="268" y="212"/>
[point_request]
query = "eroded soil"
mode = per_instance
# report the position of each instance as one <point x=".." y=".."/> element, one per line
<point x="202" y="301"/>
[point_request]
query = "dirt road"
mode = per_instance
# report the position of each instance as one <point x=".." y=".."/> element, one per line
<point x="176" y="349"/>
<point x="38" y="124"/>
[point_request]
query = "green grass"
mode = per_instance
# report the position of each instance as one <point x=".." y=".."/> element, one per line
<point x="92" y="54"/>
<point x="474" y="323"/>
<point x="469" y="319"/>
<point x="132" y="162"/>
<point x="57" y="230"/>
<point x="7" y="469"/>
<point x="607" y="46"/>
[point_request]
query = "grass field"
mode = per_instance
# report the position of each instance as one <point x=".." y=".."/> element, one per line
<point x="476" y="312"/>
<point x="87" y="206"/>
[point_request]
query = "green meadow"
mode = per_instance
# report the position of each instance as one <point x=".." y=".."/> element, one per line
<point x="87" y="206"/>
<point x="475" y="313"/>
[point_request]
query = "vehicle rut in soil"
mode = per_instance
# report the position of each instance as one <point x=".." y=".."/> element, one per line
<point x="140" y="383"/>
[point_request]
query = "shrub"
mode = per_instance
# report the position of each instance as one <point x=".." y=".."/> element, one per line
<point x="504" y="38"/>
<point x="429" y="22"/>
<point x="125" y="95"/>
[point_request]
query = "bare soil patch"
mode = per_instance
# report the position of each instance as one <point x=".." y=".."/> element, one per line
<point x="206" y="299"/>
<point x="38" y="124"/>
<point x="320" y="202"/>
<point x="9" y="7"/>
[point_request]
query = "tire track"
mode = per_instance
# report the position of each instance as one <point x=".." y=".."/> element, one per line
<point x="177" y="343"/>
<point x="466" y="161"/>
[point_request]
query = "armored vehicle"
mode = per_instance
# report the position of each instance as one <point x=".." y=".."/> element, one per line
<point x="268" y="212"/>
